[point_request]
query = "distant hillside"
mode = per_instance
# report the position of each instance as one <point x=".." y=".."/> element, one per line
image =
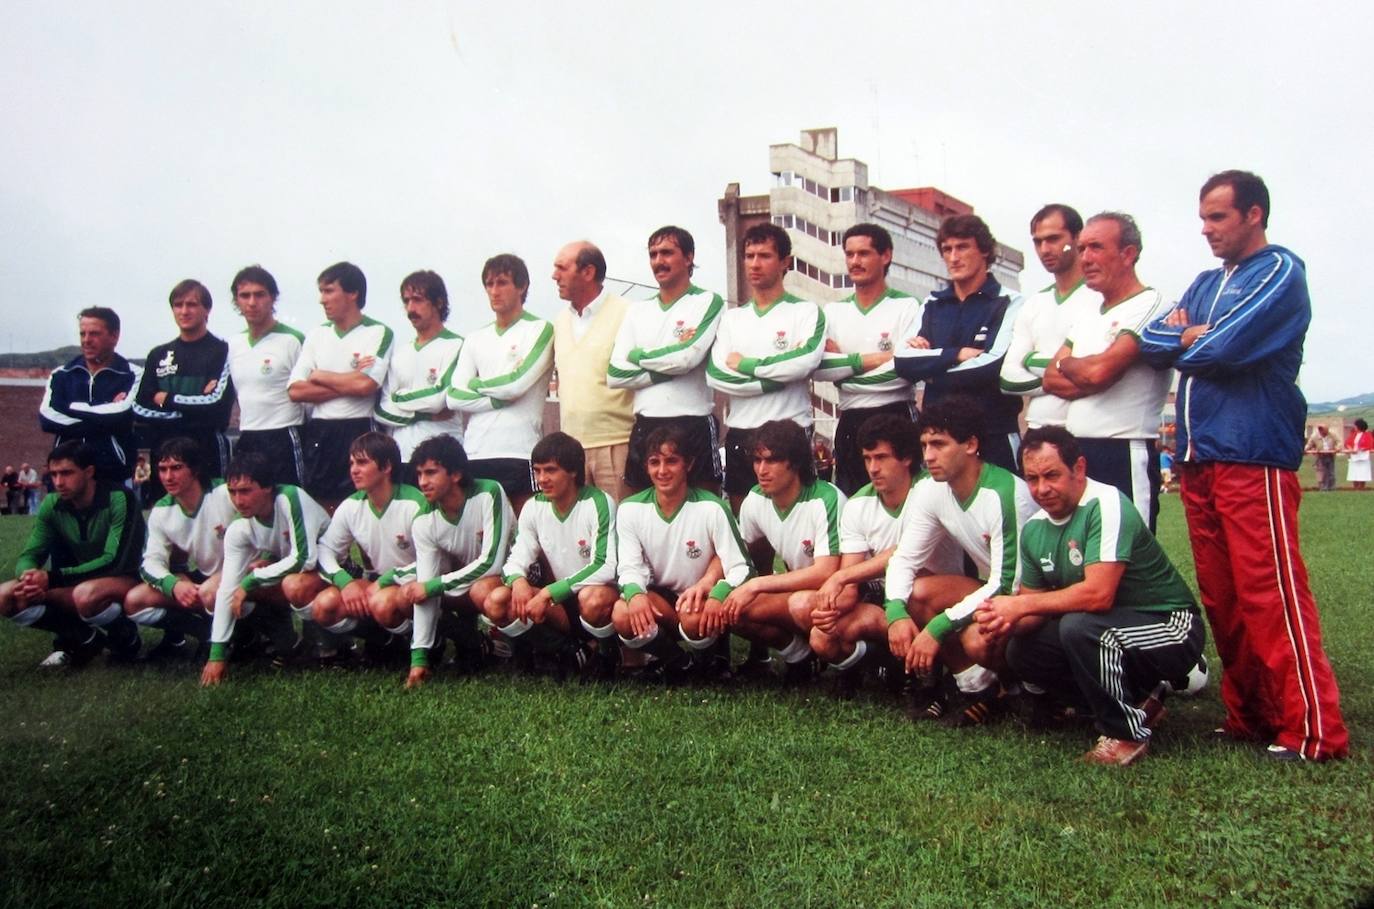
<point x="45" y="359"/>
<point x="1358" y="402"/>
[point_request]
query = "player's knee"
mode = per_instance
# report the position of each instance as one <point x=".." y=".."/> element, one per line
<point x="497" y="607"/>
<point x="799" y="607"/>
<point x="140" y="598"/>
<point x="825" y="646"/>
<point x="206" y="596"/>
<point x="620" y="618"/>
<point x="595" y="604"/>
<point x="921" y="604"/>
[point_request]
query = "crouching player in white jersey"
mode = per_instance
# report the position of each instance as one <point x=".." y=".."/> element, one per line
<point x="680" y="555"/>
<point x="461" y="541"/>
<point x="270" y="554"/>
<point x="848" y="626"/>
<point x="795" y="516"/>
<point x="378" y="519"/>
<point x="981" y="507"/>
<point x="571" y="526"/>
<point x="183" y="551"/>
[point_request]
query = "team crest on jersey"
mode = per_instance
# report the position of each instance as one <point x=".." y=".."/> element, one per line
<point x="693" y="550"/>
<point x="401" y="542"/>
<point x="167" y="366"/>
<point x="584" y="549"/>
<point x="809" y="548"/>
<point x="1075" y="556"/>
<point x="885" y="342"/>
<point x="355" y="361"/>
<point x="679" y="329"/>
<point x="266" y="365"/>
<point x="433" y="375"/>
<point x="780" y="342"/>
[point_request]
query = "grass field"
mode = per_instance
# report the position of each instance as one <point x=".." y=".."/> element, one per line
<point x="135" y="787"/>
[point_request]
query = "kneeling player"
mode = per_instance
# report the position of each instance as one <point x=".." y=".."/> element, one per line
<point x="572" y="527"/>
<point x="185" y="526"/>
<point x="90" y="533"/>
<point x="981" y="507"/>
<point x="270" y="556"/>
<point x="377" y="519"/>
<point x="680" y="556"/>
<point x="846" y="613"/>
<point x="461" y="541"/>
<point x="795" y="516"/>
<point x="1102" y="612"/>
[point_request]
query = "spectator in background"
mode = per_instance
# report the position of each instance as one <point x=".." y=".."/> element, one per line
<point x="14" y="495"/>
<point x="32" y="486"/>
<point x="1323" y="446"/>
<point x="1358" y="446"/>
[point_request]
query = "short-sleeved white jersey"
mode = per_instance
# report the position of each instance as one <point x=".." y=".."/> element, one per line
<point x="1131" y="407"/>
<point x="325" y="348"/>
<point x="1041" y="327"/>
<point x="808" y="529"/>
<point x="261" y="371"/>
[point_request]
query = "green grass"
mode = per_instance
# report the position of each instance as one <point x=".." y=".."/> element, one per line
<point x="134" y="787"/>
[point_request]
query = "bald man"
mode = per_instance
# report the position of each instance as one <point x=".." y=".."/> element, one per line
<point x="584" y="335"/>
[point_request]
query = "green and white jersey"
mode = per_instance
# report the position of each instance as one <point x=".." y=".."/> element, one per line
<point x="579" y="545"/>
<point x="985" y="526"/>
<point x="867" y="526"/>
<point x="501" y="382"/>
<point x="453" y="551"/>
<point x="667" y="373"/>
<point x="290" y="538"/>
<point x="414" y="393"/>
<point x="672" y="551"/>
<point x="383" y="537"/>
<point x="261" y="371"/>
<point x="1130" y="408"/>
<point x="1041" y="327"/>
<point x="807" y="529"/>
<point x="781" y="346"/>
<point x="1105" y="527"/>
<point x="198" y="534"/>
<point x="891" y="321"/>
<point x="328" y="349"/>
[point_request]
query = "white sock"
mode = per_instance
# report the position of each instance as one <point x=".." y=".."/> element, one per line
<point x="697" y="643"/>
<point x="598" y="631"/>
<point x="304" y="613"/>
<point x="516" y="628"/>
<point x="642" y="640"/>
<point x="975" y="679"/>
<point x="343" y="626"/>
<point x="853" y="659"/>
<point x="150" y="616"/>
<point x="105" y="616"/>
<point x="796" y="651"/>
<point x="26" y="617"/>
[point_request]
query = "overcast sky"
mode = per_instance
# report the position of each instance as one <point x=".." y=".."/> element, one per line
<point x="158" y="141"/>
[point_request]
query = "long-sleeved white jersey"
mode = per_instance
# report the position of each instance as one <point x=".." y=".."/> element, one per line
<point x="413" y="397"/>
<point x="501" y="382"/>
<point x="891" y="321"/>
<point x="1042" y="325"/>
<point x="672" y="551"/>
<point x="579" y="546"/>
<point x="383" y="537"/>
<point x="781" y="346"/>
<point x="667" y="373"/>
<point x="326" y="349"/>
<point x="198" y="534"/>
<point x="810" y="528"/>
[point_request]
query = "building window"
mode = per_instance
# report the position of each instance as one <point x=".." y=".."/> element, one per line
<point x="820" y="274"/>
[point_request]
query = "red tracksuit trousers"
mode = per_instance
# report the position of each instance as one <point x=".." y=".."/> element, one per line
<point x="1276" y="682"/>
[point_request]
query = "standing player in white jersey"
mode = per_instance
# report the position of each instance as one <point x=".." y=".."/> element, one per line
<point x="413" y="405"/>
<point x="269" y="556"/>
<point x="1115" y="397"/>
<point x="377" y="519"/>
<point x="764" y="354"/>
<point x="1042" y="323"/>
<point x="183" y="551"/>
<point x="261" y="358"/>
<point x="661" y="352"/>
<point x="571" y="527"/>
<point x="680" y="555"/>
<point x="342" y="366"/>
<point x="981" y="507"/>
<point x="461" y="541"/>
<point x="502" y="381"/>
<point x="862" y="331"/>
<point x="794" y="516"/>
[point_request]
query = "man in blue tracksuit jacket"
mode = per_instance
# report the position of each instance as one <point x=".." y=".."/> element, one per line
<point x="90" y="399"/>
<point x="965" y="331"/>
<point x="1236" y="339"/>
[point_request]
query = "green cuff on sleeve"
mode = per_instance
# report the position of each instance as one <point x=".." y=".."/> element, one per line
<point x="434" y="587"/>
<point x="167" y="585"/>
<point x="635" y="355"/>
<point x="219" y="653"/>
<point x="721" y="590"/>
<point x="748" y="365"/>
<point x="939" y="626"/>
<point x="419" y="657"/>
<point x="896" y="611"/>
<point x="559" y="590"/>
<point x="340" y="579"/>
<point x="630" y="591"/>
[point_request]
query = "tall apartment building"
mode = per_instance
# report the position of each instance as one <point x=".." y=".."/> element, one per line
<point x="816" y="196"/>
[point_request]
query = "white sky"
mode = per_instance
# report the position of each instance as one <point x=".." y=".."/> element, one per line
<point x="161" y="140"/>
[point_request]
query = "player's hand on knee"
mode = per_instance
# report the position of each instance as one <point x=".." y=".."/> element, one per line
<point x="641" y="615"/>
<point x="899" y="636"/>
<point x="921" y="654"/>
<point x="538" y="607"/>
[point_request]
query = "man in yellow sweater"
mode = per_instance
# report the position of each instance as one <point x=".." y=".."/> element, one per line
<point x="584" y="335"/>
